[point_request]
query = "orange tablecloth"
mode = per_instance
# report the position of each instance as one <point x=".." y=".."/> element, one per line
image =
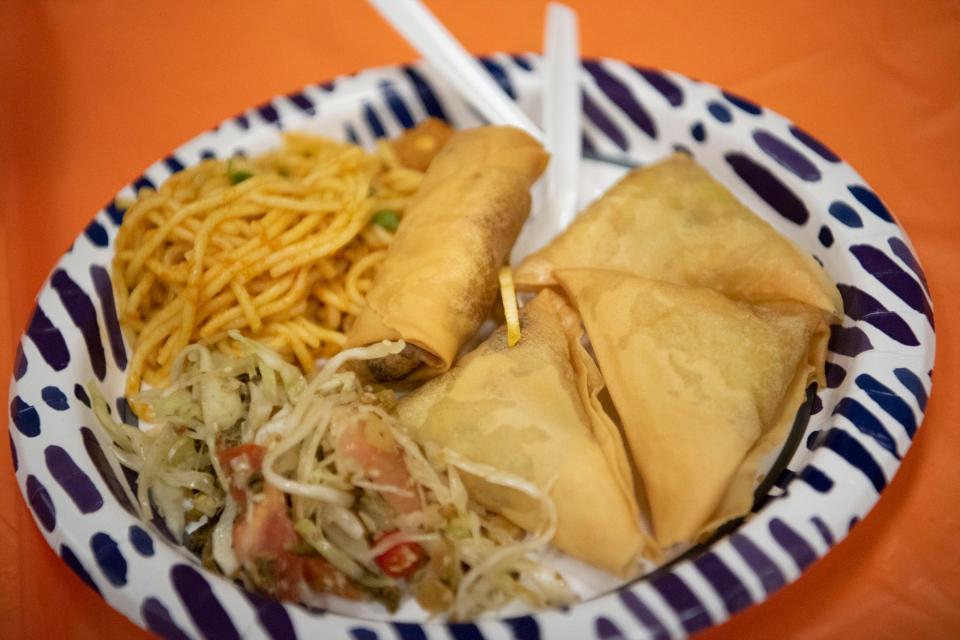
<point x="95" y="90"/>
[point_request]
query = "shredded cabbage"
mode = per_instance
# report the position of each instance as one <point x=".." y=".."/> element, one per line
<point x="337" y="472"/>
<point x="223" y="553"/>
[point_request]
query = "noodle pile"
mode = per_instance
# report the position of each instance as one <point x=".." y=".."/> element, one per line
<point x="279" y="247"/>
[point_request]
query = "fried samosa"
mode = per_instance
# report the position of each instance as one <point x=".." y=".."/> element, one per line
<point x="673" y="221"/>
<point x="704" y="385"/>
<point x="532" y="410"/>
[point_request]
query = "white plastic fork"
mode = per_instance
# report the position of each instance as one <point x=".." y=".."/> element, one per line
<point x="556" y="204"/>
<point x="561" y="119"/>
<point x="446" y="56"/>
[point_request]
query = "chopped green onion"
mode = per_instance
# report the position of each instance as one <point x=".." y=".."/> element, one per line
<point x="236" y="176"/>
<point x="388" y="219"/>
<point x="302" y="548"/>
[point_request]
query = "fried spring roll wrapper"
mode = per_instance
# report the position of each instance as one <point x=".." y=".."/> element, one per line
<point x="705" y="387"/>
<point x="532" y="410"/>
<point x="439" y="279"/>
<point x="672" y="221"/>
<point x="416" y="148"/>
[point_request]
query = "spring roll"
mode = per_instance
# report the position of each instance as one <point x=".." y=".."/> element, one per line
<point x="672" y="221"/>
<point x="705" y="387"/>
<point x="532" y="410"/>
<point x="439" y="279"/>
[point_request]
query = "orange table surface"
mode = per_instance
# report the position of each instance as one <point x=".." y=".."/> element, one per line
<point x="95" y="90"/>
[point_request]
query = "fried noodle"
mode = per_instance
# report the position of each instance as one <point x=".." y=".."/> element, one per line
<point x="279" y="247"/>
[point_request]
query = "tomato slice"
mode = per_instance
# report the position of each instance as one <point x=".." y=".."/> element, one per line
<point x="263" y="535"/>
<point x="266" y="530"/>
<point x="400" y="560"/>
<point x="253" y="452"/>
<point x="367" y="442"/>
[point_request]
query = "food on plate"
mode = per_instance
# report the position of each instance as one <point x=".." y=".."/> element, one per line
<point x="417" y="147"/>
<point x="532" y="411"/>
<point x="688" y="393"/>
<point x="281" y="247"/>
<point x="438" y="280"/>
<point x="672" y="221"/>
<point x="704" y="386"/>
<point x="511" y="312"/>
<point x="271" y="299"/>
<point x="302" y="487"/>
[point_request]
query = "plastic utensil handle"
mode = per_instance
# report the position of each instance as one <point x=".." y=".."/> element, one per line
<point x="561" y="114"/>
<point x="446" y="55"/>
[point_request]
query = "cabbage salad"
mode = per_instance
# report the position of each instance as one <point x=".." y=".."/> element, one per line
<point x="303" y="488"/>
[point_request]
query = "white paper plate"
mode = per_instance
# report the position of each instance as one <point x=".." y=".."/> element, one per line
<point x="862" y="424"/>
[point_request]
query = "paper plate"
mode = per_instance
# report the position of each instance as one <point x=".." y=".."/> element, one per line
<point x="878" y="368"/>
